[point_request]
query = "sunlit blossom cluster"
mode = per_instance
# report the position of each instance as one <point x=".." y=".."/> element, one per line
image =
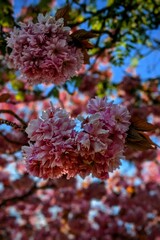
<point x="43" y="51"/>
<point x="57" y="147"/>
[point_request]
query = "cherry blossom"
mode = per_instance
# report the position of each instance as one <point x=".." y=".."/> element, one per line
<point x="43" y="51"/>
<point x="56" y="148"/>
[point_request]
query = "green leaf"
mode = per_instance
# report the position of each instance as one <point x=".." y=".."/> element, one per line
<point x="20" y="96"/>
<point x="134" y="62"/>
<point x="6" y="12"/>
<point x="17" y="84"/>
<point x="55" y="92"/>
<point x="110" y="2"/>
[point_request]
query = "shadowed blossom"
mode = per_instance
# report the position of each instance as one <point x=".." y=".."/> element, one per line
<point x="43" y="51"/>
<point x="52" y="136"/>
<point x="57" y="149"/>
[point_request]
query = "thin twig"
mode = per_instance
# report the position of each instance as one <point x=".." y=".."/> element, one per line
<point x="15" y="115"/>
<point x="31" y="191"/>
<point x="12" y="124"/>
<point x="9" y="140"/>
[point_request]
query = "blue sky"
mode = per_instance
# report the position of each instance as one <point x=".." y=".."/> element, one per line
<point x="148" y="66"/>
<point x="18" y="4"/>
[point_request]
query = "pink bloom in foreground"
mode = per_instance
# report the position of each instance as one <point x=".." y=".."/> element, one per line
<point x="101" y="142"/>
<point x="43" y="51"/>
<point x="50" y="137"/>
<point x="57" y="149"/>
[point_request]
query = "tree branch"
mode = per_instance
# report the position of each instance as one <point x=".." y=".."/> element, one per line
<point x="31" y="191"/>
<point x="15" y="115"/>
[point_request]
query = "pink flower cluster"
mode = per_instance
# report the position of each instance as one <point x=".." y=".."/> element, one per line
<point x="43" y="51"/>
<point x="57" y="148"/>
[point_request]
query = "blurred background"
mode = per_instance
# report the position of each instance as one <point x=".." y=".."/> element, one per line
<point x="124" y="66"/>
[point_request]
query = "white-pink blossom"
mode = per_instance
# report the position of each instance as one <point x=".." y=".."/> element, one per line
<point x="57" y="149"/>
<point x="51" y="137"/>
<point x="43" y="52"/>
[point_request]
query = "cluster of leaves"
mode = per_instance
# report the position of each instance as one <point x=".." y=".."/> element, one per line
<point x="121" y="24"/>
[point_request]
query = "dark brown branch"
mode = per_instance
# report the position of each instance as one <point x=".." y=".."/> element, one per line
<point x="12" y="124"/>
<point x="22" y="197"/>
<point x="9" y="140"/>
<point x="15" y="115"/>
